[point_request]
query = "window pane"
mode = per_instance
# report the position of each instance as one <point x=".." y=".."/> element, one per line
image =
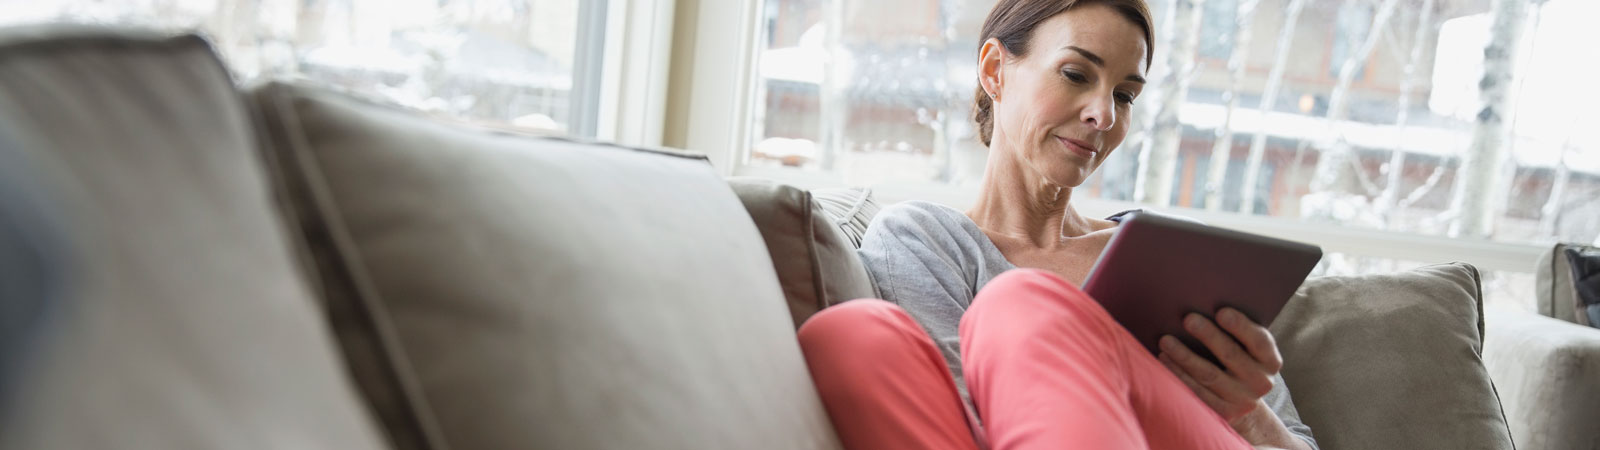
<point x="500" y="62"/>
<point x="1511" y="289"/>
<point x="879" y="93"/>
<point x="1424" y="135"/>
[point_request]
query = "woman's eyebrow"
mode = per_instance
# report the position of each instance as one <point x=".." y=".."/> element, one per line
<point x="1099" y="62"/>
<point x="1093" y="58"/>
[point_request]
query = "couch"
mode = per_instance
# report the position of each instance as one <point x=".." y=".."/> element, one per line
<point x="286" y="266"/>
<point x="1550" y="361"/>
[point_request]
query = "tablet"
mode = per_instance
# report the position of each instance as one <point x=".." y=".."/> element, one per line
<point x="1157" y="269"/>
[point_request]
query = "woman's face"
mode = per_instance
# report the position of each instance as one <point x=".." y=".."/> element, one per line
<point x="1065" y="106"/>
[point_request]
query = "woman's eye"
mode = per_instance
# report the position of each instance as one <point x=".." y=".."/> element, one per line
<point x="1074" y="76"/>
<point x="1124" y="98"/>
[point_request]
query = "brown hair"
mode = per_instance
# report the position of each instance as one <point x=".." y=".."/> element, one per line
<point x="1012" y="23"/>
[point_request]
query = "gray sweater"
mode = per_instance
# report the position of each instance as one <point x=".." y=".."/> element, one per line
<point x="931" y="260"/>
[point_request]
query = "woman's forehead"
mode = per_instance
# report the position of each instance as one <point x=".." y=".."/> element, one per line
<point x="1096" y="28"/>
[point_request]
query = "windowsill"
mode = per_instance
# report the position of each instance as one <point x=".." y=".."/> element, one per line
<point x="1402" y="246"/>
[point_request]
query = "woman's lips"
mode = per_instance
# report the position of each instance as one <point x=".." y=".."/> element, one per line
<point x="1077" y="147"/>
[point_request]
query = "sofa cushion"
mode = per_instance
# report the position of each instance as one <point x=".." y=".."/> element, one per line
<point x="816" y="264"/>
<point x="546" y="293"/>
<point x="1392" y="361"/>
<point x="186" y="324"/>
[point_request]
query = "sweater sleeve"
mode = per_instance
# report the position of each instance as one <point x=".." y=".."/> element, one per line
<point x="1278" y="399"/>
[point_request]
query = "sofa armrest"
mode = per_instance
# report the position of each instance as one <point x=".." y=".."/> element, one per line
<point x="1547" y="373"/>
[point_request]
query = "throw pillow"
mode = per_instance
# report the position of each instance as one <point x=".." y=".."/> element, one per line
<point x="1555" y="291"/>
<point x="850" y="209"/>
<point x="1392" y="361"/>
<point x="816" y="264"/>
<point x="545" y="293"/>
<point x="1585" y="264"/>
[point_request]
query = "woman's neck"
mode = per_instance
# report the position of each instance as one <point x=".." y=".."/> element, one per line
<point x="1016" y="202"/>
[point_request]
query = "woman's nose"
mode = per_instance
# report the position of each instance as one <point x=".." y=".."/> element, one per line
<point x="1099" y="115"/>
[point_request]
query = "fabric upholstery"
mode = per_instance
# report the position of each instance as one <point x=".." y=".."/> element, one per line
<point x="1392" y="361"/>
<point x="186" y="324"/>
<point x="1548" y="374"/>
<point x="851" y="209"/>
<point x="1585" y="264"/>
<point x="1554" y="289"/>
<point x="816" y="265"/>
<point x="550" y="294"/>
<point x="31" y="265"/>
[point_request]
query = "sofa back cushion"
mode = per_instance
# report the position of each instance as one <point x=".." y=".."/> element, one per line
<point x="185" y="324"/>
<point x="1392" y="361"/>
<point x="816" y="263"/>
<point x="544" y="293"/>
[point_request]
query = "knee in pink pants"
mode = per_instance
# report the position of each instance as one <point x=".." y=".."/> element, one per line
<point x="1045" y="365"/>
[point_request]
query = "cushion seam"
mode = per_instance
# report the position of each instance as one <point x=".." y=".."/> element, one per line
<point x="324" y="210"/>
<point x="808" y="212"/>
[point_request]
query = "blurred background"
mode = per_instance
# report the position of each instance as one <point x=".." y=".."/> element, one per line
<point x="1468" y="120"/>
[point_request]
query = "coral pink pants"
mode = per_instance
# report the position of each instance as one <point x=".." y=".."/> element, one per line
<point x="1046" y="366"/>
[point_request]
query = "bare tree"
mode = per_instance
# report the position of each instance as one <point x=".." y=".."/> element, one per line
<point x="1481" y="177"/>
<point x="1222" y="149"/>
<point x="1397" y="160"/>
<point x="1159" y="155"/>
<point x="834" y="110"/>
<point x="1335" y="171"/>
<point x="1550" y="214"/>
<point x="1269" y="98"/>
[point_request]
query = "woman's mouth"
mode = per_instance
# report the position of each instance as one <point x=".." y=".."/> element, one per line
<point x="1077" y="147"/>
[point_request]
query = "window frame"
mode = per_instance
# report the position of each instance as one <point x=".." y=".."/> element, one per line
<point x="637" y="52"/>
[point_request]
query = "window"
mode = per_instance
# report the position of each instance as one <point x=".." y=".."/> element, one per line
<point x="878" y="92"/>
<point x="519" y="63"/>
<point x="1352" y="26"/>
<point x="1217" y="28"/>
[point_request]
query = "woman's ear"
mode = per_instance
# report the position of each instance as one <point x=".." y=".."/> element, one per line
<point x="991" y="58"/>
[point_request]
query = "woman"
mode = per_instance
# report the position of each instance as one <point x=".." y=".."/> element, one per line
<point x="1018" y="357"/>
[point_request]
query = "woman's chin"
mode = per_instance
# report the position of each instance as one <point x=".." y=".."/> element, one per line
<point x="1069" y="179"/>
<point x="1069" y="174"/>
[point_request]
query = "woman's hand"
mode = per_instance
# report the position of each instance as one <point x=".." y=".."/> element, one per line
<point x="1235" y="389"/>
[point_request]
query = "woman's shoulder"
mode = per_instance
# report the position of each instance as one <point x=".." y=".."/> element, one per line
<point x="917" y="219"/>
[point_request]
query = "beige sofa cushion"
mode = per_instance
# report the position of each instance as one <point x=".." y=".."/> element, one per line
<point x="1392" y="361"/>
<point x="816" y="264"/>
<point x="186" y="324"/>
<point x="1548" y="372"/>
<point x="550" y="294"/>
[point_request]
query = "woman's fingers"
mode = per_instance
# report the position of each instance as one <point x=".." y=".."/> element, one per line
<point x="1205" y="394"/>
<point x="1204" y="372"/>
<point x="1256" y="339"/>
<point x="1251" y="376"/>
